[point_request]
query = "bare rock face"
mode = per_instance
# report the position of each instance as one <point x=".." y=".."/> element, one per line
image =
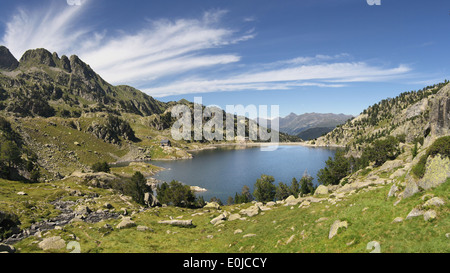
<point x="440" y="113"/>
<point x="7" y="60"/>
<point x="437" y="171"/>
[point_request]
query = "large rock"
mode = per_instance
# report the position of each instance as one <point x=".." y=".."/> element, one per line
<point x="212" y="205"/>
<point x="415" y="213"/>
<point x="126" y="223"/>
<point x="437" y="172"/>
<point x="429" y="215"/>
<point x="321" y="190"/>
<point x="183" y="223"/>
<point x="335" y="228"/>
<point x="393" y="190"/>
<point x="251" y="211"/>
<point x="52" y="243"/>
<point x="82" y="210"/>
<point x="435" y="201"/>
<point x="411" y="188"/>
<point x="219" y="218"/>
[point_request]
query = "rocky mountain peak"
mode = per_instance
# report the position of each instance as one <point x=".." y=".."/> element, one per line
<point x="36" y="57"/>
<point x="7" y="60"/>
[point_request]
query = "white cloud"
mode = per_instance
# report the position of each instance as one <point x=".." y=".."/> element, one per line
<point x="48" y="27"/>
<point x="286" y="77"/>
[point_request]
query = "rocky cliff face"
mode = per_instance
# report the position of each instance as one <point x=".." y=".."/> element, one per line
<point x="7" y="60"/>
<point x="440" y="113"/>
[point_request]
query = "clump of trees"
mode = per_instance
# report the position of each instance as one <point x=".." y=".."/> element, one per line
<point x="135" y="187"/>
<point x="176" y="193"/>
<point x="101" y="167"/>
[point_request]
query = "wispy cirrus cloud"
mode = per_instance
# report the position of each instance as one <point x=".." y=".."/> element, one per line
<point x="169" y="57"/>
<point x="282" y="75"/>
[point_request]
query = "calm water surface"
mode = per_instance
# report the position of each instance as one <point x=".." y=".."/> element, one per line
<point x="223" y="172"/>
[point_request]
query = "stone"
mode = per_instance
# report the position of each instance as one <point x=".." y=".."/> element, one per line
<point x="335" y="228"/>
<point x="321" y="190"/>
<point x="291" y="201"/>
<point x="76" y="143"/>
<point x="290" y="239"/>
<point x="397" y="220"/>
<point x="142" y="228"/>
<point x="429" y="215"/>
<point x="212" y="205"/>
<point x="218" y="218"/>
<point x="411" y="188"/>
<point x="251" y="211"/>
<point x="437" y="171"/>
<point x="415" y="212"/>
<point x="435" y="201"/>
<point x="249" y="235"/>
<point x="126" y="223"/>
<point x="82" y="210"/>
<point x="52" y="243"/>
<point x="177" y="222"/>
<point x="234" y="216"/>
<point x="21" y="193"/>
<point x="237" y="231"/>
<point x="108" y="206"/>
<point x="394" y="189"/>
<point x="305" y="204"/>
<point x="4" y="248"/>
<point x="322" y="219"/>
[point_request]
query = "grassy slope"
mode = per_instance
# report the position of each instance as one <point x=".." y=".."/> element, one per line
<point x="369" y="214"/>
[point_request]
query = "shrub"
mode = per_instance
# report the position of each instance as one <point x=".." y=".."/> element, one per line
<point x="176" y="194"/>
<point x="101" y="167"/>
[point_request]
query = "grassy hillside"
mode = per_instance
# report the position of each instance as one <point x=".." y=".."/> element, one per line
<point x="284" y="229"/>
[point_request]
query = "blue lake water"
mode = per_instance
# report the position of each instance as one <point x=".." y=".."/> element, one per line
<point x="223" y="172"/>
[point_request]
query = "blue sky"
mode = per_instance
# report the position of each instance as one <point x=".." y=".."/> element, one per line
<point x="304" y="55"/>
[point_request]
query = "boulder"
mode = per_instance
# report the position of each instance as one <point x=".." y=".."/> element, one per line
<point x="52" y="243"/>
<point x="411" y="188"/>
<point x="415" y="212"/>
<point x="82" y="210"/>
<point x="335" y="228"/>
<point x="183" y="223"/>
<point x="21" y="193"/>
<point x="437" y="171"/>
<point x="429" y="215"/>
<point x="212" y="205"/>
<point x="251" y="211"/>
<point x="435" y="201"/>
<point x="321" y="190"/>
<point x="126" y="223"/>
<point x="219" y="218"/>
<point x="394" y="189"/>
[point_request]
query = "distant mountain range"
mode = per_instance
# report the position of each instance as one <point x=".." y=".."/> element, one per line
<point x="310" y="125"/>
